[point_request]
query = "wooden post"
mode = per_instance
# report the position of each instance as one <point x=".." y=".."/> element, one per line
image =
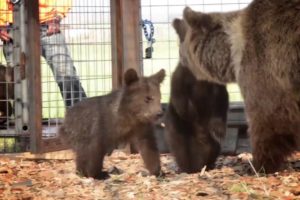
<point x="125" y="37"/>
<point x="126" y="40"/>
<point x="33" y="73"/>
<point x="16" y="65"/>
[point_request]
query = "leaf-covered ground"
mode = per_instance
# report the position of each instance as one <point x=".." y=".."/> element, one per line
<point x="56" y="179"/>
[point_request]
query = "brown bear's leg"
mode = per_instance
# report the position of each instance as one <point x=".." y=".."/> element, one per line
<point x="94" y="168"/>
<point x="178" y="142"/>
<point x="81" y="162"/>
<point x="268" y="108"/>
<point x="147" y="146"/>
<point x="203" y="153"/>
<point x="198" y="153"/>
<point x="91" y="159"/>
<point x="89" y="162"/>
<point x="203" y="149"/>
<point x="269" y="153"/>
<point x="272" y="142"/>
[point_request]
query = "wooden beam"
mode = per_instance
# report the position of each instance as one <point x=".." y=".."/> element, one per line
<point x="126" y="38"/>
<point x="116" y="43"/>
<point x="17" y="48"/>
<point x="131" y="34"/>
<point x="33" y="73"/>
<point x="52" y="144"/>
<point x="57" y="155"/>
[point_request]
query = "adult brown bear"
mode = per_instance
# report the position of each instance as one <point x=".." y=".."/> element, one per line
<point x="259" y="47"/>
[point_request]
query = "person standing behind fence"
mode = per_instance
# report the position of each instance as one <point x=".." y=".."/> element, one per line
<point x="53" y="45"/>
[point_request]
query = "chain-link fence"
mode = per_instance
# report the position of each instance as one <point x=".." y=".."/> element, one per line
<point x="165" y="55"/>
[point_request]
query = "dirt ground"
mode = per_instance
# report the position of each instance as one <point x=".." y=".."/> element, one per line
<point x="26" y="178"/>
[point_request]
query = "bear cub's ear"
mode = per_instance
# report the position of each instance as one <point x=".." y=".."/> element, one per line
<point x="180" y="27"/>
<point x="130" y="76"/>
<point x="159" y="76"/>
<point x="198" y="20"/>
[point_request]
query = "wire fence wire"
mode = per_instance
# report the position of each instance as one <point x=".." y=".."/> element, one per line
<point x="8" y="143"/>
<point x="165" y="55"/>
<point x="86" y="29"/>
<point x="82" y="49"/>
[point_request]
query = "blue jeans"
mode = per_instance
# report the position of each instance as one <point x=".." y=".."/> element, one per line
<point x="54" y="49"/>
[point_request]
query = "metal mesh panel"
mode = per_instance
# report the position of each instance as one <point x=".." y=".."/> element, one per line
<point x="165" y="54"/>
<point x="76" y="62"/>
<point x="9" y="138"/>
<point x="86" y="29"/>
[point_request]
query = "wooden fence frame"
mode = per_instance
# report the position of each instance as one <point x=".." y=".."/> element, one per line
<point x="126" y="53"/>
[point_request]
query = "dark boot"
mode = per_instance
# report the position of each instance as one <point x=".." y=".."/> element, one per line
<point x="6" y="110"/>
<point x="71" y="90"/>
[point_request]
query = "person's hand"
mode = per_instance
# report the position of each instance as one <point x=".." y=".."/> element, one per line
<point x="4" y="36"/>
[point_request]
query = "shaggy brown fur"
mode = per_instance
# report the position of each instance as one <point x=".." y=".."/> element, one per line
<point x="96" y="126"/>
<point x="195" y="120"/>
<point x="6" y="92"/>
<point x="271" y="66"/>
<point x="206" y="47"/>
<point x="196" y="117"/>
<point x="260" y="45"/>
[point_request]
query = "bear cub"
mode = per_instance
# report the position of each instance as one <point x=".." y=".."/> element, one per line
<point x="96" y="126"/>
<point x="196" y="116"/>
<point x="195" y="120"/>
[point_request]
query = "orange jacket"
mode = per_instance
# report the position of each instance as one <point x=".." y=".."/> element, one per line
<point x="5" y="13"/>
<point x="49" y="9"/>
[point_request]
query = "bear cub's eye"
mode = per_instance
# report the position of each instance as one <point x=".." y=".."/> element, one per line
<point x="148" y="99"/>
